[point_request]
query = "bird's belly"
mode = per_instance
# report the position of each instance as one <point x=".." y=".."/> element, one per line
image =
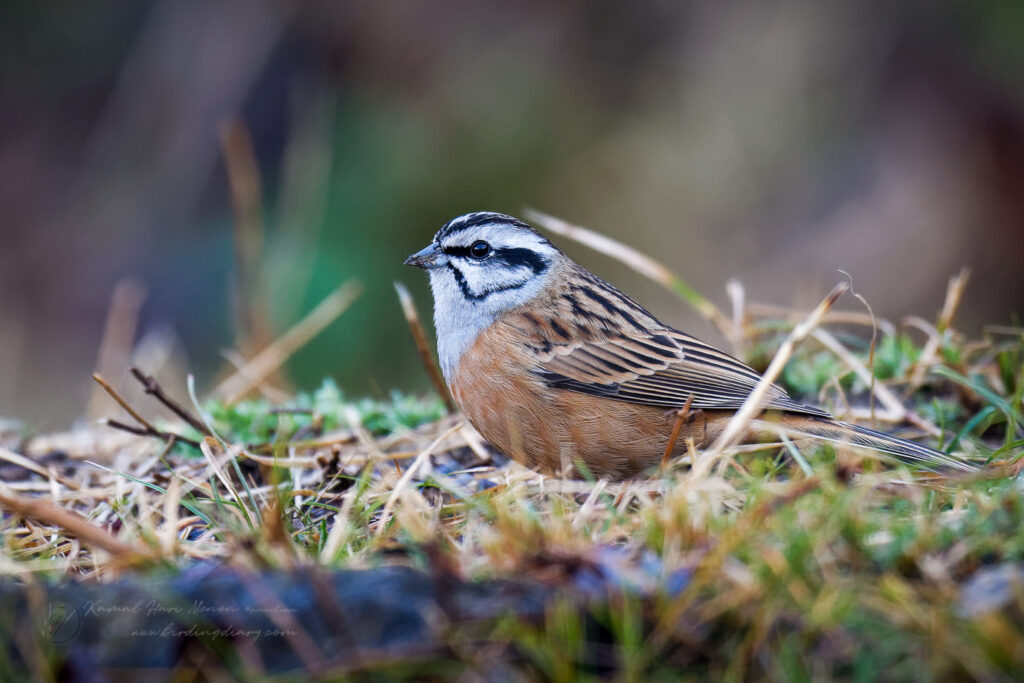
<point x="554" y="430"/>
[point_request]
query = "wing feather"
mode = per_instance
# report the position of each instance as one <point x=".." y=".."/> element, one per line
<point x="659" y="370"/>
<point x="596" y="340"/>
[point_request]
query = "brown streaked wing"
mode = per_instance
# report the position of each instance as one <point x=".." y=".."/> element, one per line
<point x="662" y="370"/>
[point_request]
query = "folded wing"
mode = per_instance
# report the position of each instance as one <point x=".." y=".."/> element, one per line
<point x="663" y="369"/>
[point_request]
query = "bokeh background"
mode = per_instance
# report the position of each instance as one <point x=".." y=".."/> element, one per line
<point x="774" y="142"/>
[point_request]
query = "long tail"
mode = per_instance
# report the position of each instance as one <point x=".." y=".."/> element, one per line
<point x="862" y="437"/>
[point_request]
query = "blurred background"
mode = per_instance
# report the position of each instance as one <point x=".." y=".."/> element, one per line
<point x="773" y="142"/>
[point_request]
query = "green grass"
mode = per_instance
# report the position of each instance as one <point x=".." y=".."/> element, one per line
<point x="256" y="421"/>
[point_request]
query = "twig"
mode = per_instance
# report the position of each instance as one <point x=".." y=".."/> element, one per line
<point x="145" y="431"/>
<point x="420" y="338"/>
<point x="270" y="358"/>
<point x="154" y="389"/>
<point x="150" y="429"/>
<point x="684" y="412"/>
<point x="642" y="263"/>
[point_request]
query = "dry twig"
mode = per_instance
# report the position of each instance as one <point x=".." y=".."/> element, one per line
<point x="146" y="428"/>
<point x="420" y="338"/>
<point x="681" y="416"/>
<point x="153" y="388"/>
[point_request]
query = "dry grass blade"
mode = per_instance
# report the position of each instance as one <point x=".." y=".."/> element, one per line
<point x="33" y="466"/>
<point x="206" y="446"/>
<point x="340" y="528"/>
<point x="894" y="407"/>
<point x="266" y="361"/>
<point x="738" y="297"/>
<point x="929" y="354"/>
<point x="172" y="502"/>
<point x="420" y="338"/>
<point x="363" y="435"/>
<point x="272" y="393"/>
<point x="773" y="311"/>
<point x="423" y="457"/>
<point x="751" y="407"/>
<point x="641" y="263"/>
<point x="253" y="328"/>
<point x="71" y="522"/>
<point x="954" y="294"/>
<point x="874" y="340"/>
<point x="895" y="411"/>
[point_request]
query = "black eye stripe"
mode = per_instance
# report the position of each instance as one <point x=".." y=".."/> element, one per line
<point x="510" y="257"/>
<point x="521" y="257"/>
<point x="456" y="251"/>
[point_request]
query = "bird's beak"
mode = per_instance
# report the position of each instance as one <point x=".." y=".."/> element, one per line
<point x="425" y="258"/>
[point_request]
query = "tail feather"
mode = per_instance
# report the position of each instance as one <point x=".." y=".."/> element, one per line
<point x="854" y="435"/>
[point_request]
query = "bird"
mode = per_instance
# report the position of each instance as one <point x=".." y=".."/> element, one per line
<point x="565" y="374"/>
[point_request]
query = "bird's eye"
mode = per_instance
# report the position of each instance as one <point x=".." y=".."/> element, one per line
<point x="480" y="249"/>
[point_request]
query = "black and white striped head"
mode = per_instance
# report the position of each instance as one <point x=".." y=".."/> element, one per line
<point x="487" y="254"/>
<point x="480" y="265"/>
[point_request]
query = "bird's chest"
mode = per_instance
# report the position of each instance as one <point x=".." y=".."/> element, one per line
<point x="494" y="370"/>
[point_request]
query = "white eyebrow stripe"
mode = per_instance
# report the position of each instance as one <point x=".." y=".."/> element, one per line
<point x="501" y="237"/>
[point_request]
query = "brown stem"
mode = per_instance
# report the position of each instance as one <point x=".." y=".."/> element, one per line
<point x="154" y="389"/>
<point x="121" y="402"/>
<point x="684" y="412"/>
<point x="420" y="338"/>
<point x="143" y="431"/>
